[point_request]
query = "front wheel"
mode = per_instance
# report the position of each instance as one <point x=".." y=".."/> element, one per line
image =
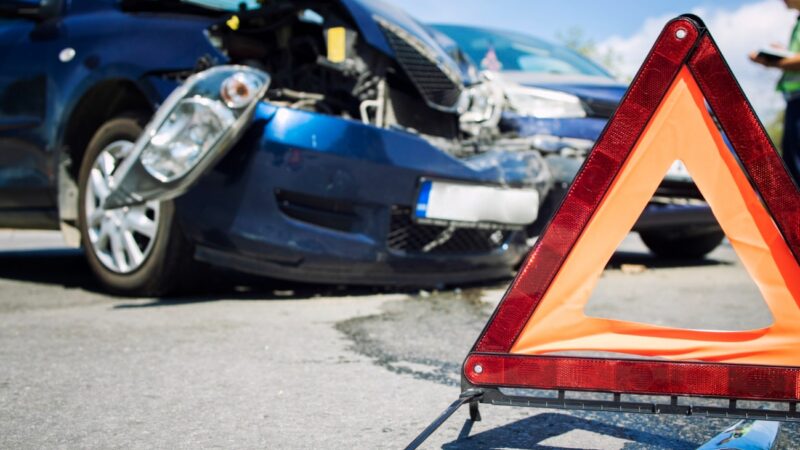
<point x="134" y="250"/>
<point x="682" y="243"/>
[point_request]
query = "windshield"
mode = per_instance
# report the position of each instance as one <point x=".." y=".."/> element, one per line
<point x="506" y="51"/>
<point x="226" y="5"/>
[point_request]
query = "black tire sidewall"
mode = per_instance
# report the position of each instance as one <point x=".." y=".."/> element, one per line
<point x="677" y="245"/>
<point x="156" y="274"/>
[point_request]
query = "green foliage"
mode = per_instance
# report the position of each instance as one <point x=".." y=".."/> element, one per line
<point x="575" y="38"/>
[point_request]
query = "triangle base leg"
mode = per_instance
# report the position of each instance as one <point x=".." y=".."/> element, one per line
<point x="471" y="396"/>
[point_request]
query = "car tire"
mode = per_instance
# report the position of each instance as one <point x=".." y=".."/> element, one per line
<point x="682" y="244"/>
<point x="109" y="240"/>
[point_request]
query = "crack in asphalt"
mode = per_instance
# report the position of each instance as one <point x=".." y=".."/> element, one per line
<point x="442" y="372"/>
<point x="381" y="337"/>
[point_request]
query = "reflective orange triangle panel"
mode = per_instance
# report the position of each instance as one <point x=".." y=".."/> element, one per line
<point x="681" y="129"/>
<point x="662" y="118"/>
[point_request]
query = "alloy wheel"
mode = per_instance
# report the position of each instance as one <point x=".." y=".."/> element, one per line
<point x="120" y="238"/>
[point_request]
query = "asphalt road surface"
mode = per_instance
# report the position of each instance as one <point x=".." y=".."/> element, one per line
<point x="258" y="364"/>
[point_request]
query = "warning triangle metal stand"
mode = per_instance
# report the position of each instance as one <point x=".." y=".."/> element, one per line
<point x="506" y="366"/>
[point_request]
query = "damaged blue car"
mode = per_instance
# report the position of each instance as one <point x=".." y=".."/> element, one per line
<point x="320" y="141"/>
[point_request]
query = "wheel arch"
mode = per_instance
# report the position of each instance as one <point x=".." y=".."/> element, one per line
<point x="101" y="102"/>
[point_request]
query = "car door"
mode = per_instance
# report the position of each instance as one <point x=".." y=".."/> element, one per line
<point x="28" y="46"/>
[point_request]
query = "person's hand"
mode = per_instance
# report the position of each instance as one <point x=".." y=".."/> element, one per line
<point x="766" y="62"/>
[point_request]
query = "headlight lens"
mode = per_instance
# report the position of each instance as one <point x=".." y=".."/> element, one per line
<point x="544" y="103"/>
<point x="189" y="132"/>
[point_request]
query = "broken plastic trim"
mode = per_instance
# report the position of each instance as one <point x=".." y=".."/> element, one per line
<point x="132" y="183"/>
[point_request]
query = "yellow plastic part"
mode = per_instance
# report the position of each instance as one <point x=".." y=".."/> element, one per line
<point x="681" y="129"/>
<point x="233" y="23"/>
<point x="337" y="44"/>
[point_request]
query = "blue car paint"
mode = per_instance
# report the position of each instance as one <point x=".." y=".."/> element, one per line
<point x="340" y="160"/>
<point x="24" y="114"/>
<point x="588" y="128"/>
<point x="364" y="13"/>
<point x="131" y="47"/>
<point x="605" y="92"/>
<point x="232" y="215"/>
<point x="109" y="45"/>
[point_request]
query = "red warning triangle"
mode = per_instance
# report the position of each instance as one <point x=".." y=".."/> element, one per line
<point x="664" y="117"/>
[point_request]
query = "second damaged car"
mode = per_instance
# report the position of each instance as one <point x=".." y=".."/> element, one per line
<point x="333" y="142"/>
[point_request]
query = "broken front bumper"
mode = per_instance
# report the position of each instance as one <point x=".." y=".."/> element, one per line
<point x="311" y="197"/>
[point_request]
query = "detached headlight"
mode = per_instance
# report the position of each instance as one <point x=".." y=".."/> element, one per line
<point x="199" y="120"/>
<point x="544" y="103"/>
<point x="194" y="127"/>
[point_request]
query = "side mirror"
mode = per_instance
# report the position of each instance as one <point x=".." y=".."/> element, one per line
<point x="34" y="9"/>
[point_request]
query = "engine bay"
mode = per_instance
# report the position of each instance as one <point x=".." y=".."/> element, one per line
<point x="319" y="62"/>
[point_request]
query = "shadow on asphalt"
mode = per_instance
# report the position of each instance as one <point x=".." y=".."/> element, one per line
<point x="260" y="290"/>
<point x="68" y="268"/>
<point x="62" y="267"/>
<point x="235" y="286"/>
<point x="653" y="262"/>
<point x="529" y="433"/>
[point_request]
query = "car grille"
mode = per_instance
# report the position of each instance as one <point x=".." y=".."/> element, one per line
<point x="439" y="88"/>
<point x="407" y="236"/>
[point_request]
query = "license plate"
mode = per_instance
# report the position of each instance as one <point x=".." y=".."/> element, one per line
<point x="457" y="202"/>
